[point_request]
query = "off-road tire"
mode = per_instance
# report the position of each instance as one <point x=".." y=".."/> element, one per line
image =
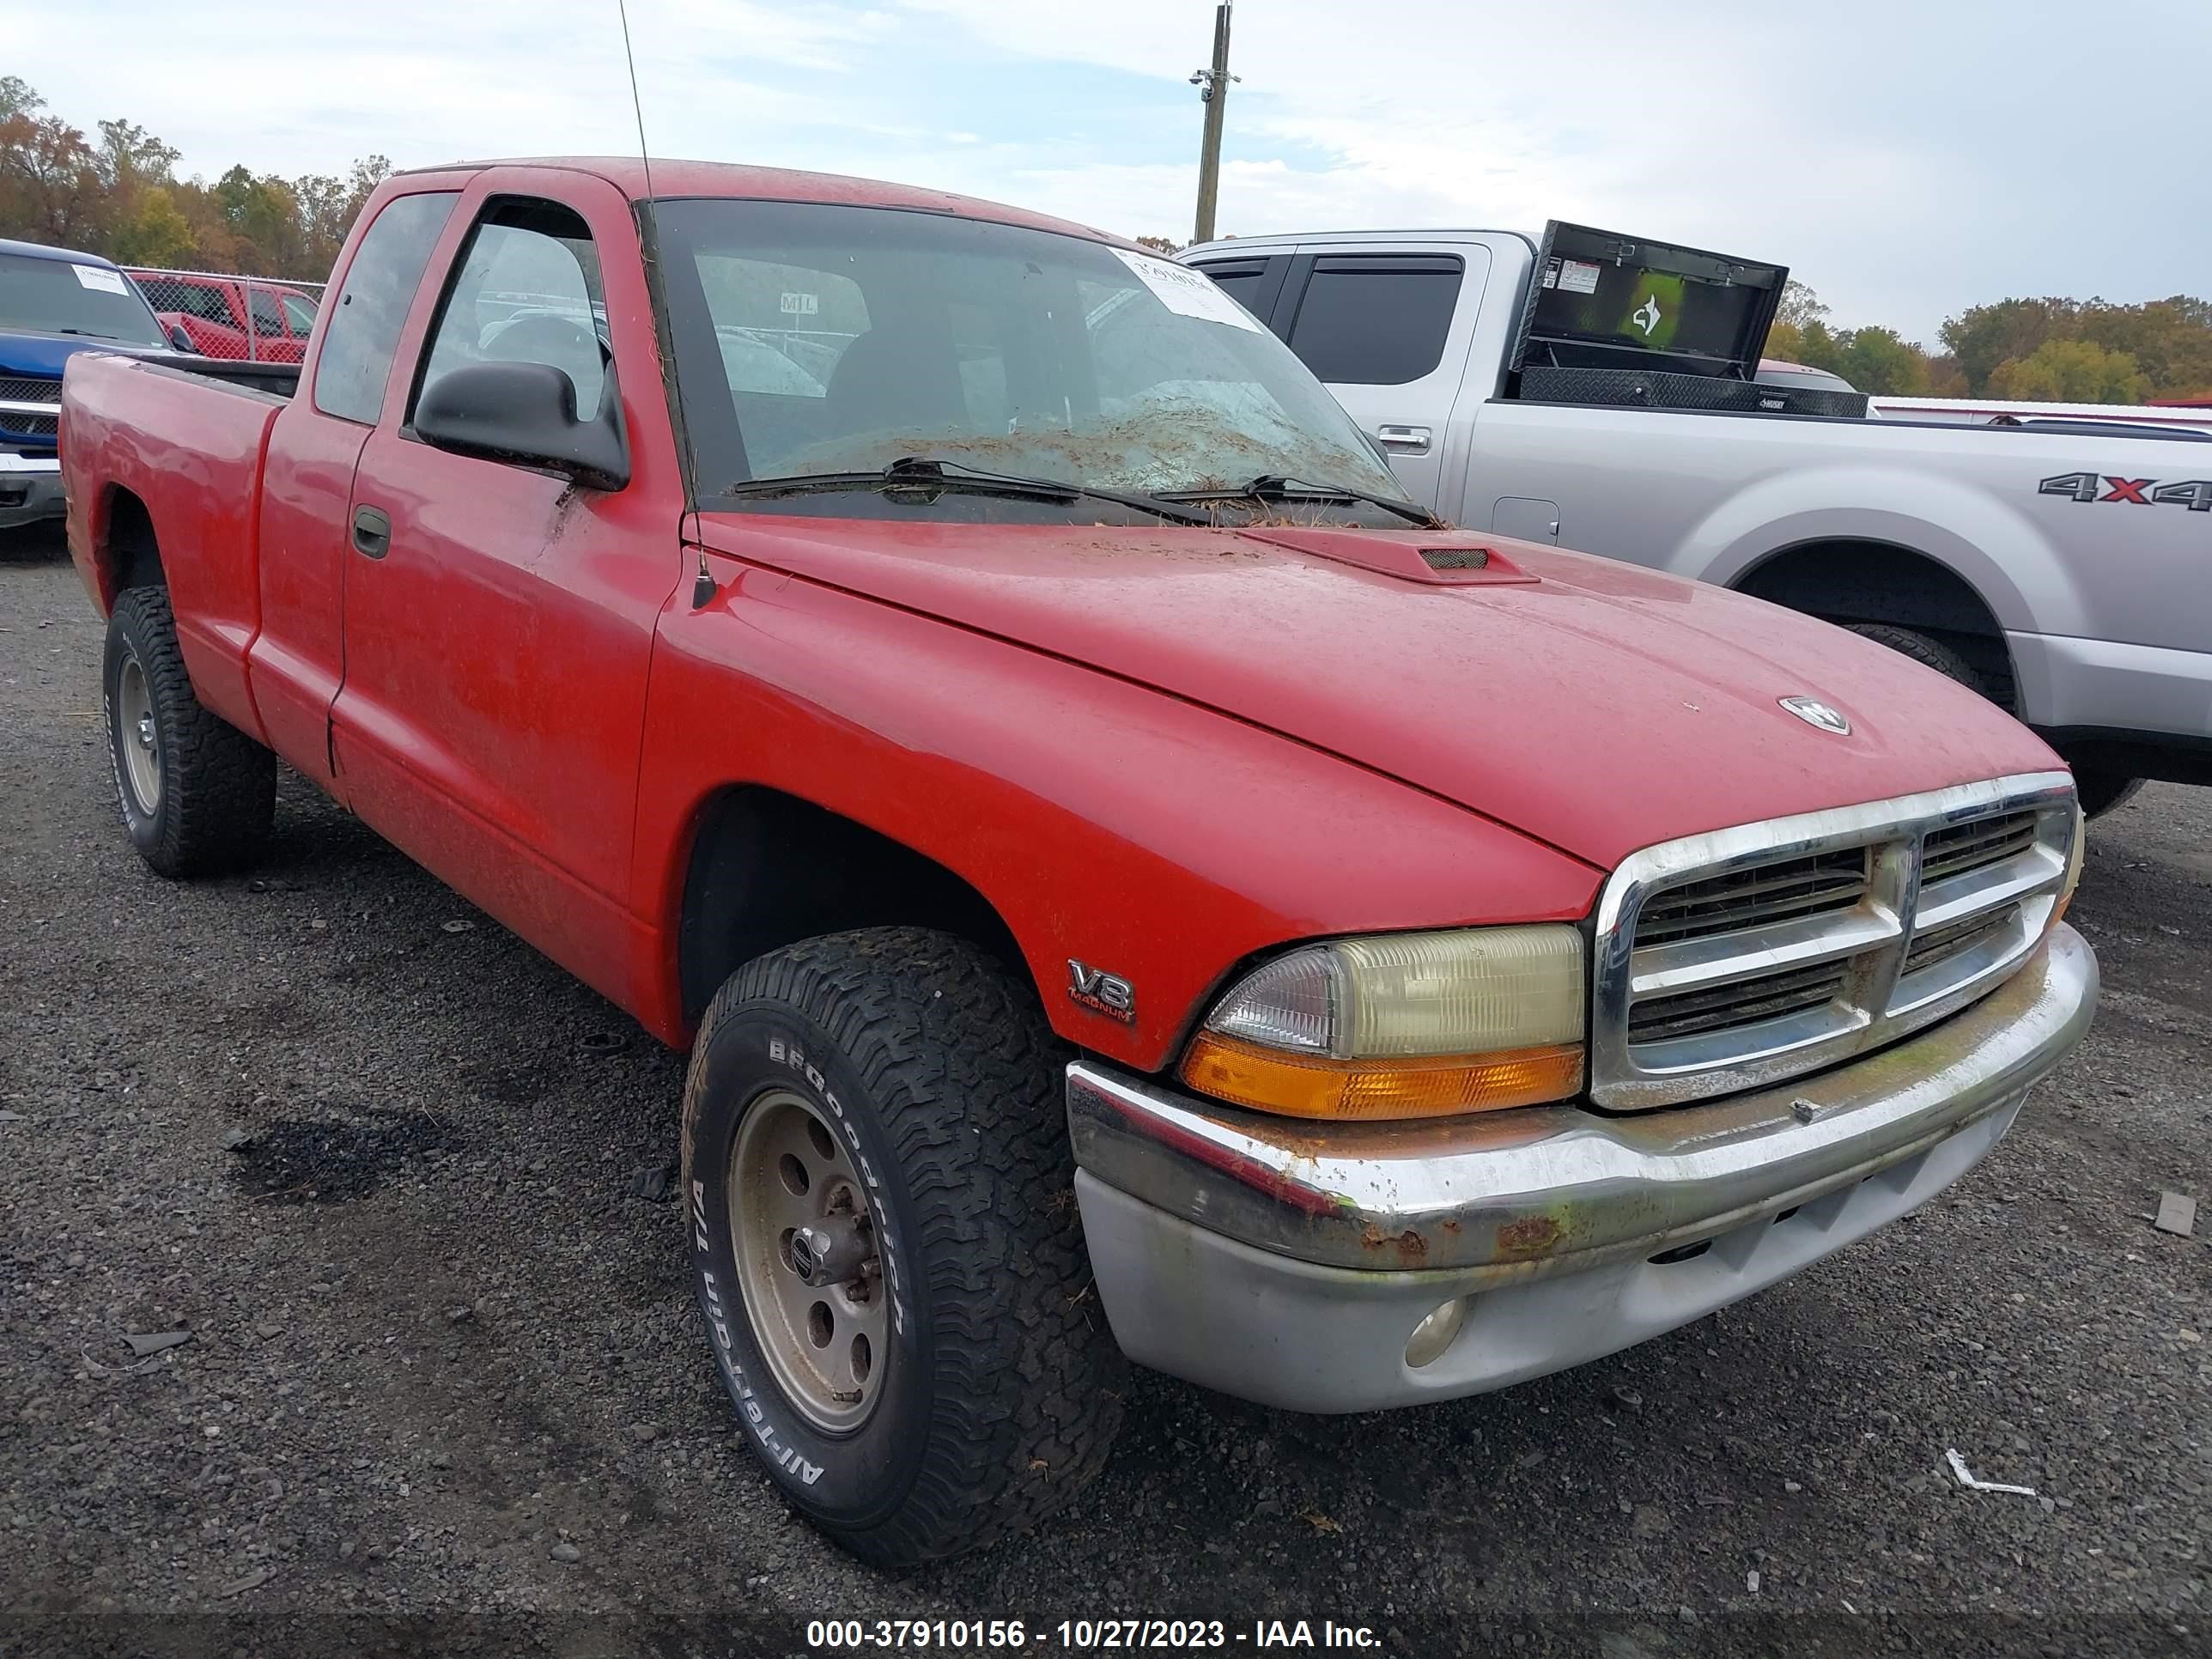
<point x="1003" y="1391"/>
<point x="2102" y="791"/>
<point x="217" y="795"/>
<point x="1928" y="652"/>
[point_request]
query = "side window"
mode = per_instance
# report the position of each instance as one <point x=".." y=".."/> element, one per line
<point x="1377" y="321"/>
<point x="267" y="320"/>
<point x="206" y="302"/>
<point x="299" y="313"/>
<point x="1253" y="283"/>
<point x="372" y="308"/>
<point x="526" y="290"/>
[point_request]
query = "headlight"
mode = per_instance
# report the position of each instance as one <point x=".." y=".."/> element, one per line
<point x="1401" y="1026"/>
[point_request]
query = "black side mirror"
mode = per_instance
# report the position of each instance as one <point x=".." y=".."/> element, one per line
<point x="527" y="413"/>
<point x="182" y="341"/>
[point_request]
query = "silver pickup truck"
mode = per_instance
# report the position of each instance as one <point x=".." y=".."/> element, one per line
<point x="1601" y="392"/>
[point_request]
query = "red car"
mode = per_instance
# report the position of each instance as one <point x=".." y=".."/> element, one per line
<point x="1132" y="884"/>
<point x="239" y="318"/>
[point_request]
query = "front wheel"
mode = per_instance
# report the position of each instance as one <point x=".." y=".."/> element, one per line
<point x="885" y="1243"/>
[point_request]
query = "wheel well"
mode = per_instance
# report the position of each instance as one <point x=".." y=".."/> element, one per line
<point x="132" y="553"/>
<point x="768" y="869"/>
<point x="1853" y="581"/>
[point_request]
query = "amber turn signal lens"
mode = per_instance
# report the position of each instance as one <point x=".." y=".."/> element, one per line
<point x="1433" y="1085"/>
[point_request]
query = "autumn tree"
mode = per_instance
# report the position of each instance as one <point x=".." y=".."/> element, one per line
<point x="119" y="196"/>
<point x="2070" y="372"/>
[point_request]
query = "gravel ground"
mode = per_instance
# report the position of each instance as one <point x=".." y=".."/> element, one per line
<point x="445" y="1385"/>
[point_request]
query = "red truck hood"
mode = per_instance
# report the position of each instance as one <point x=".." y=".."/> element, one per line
<point x="1600" y="708"/>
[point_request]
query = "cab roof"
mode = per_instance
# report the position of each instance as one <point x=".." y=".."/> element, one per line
<point x="40" y="251"/>
<point x="674" y="179"/>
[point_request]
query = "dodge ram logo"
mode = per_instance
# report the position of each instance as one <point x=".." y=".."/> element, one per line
<point x="1814" y="712"/>
<point x="2195" y="493"/>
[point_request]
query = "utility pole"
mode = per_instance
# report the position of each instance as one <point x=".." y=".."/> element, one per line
<point x="1213" y="93"/>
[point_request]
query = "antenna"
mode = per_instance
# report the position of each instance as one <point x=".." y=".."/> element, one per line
<point x="703" y="586"/>
<point x="636" y="103"/>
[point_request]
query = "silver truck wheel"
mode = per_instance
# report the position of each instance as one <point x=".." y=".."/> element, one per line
<point x="197" y="795"/>
<point x="805" y="1247"/>
<point x="141" y="742"/>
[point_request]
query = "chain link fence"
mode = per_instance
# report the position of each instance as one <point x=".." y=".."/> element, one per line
<point x="246" y="319"/>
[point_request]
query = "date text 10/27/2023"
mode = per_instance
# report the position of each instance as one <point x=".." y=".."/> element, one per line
<point x="1086" y="1635"/>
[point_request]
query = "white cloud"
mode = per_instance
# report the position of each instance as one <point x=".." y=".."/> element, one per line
<point x="1907" y="159"/>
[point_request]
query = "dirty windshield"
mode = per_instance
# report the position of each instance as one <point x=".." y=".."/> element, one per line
<point x="816" y="340"/>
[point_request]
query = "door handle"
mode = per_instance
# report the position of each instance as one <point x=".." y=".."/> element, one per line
<point x="371" y="531"/>
<point x="1408" y="439"/>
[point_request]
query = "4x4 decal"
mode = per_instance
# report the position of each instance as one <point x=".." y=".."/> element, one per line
<point x="2195" y="493"/>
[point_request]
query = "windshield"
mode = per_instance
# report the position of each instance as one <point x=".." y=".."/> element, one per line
<point x="55" y="296"/>
<point x="815" y="339"/>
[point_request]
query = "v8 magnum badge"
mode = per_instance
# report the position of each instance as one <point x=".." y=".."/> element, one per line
<point x="1101" y="992"/>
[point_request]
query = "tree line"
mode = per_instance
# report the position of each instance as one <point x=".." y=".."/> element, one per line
<point x="2046" y="350"/>
<point x="118" y="194"/>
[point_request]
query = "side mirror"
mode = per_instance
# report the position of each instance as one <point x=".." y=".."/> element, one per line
<point x="182" y="341"/>
<point x="527" y="413"/>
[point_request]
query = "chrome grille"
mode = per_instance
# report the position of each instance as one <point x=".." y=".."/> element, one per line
<point x="30" y="392"/>
<point x="1686" y="1014"/>
<point x="1818" y="883"/>
<point x="29" y="426"/>
<point x="1969" y="845"/>
<point x="1735" y="958"/>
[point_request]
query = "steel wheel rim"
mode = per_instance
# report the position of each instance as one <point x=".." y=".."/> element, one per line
<point x="827" y="1346"/>
<point x="136" y="737"/>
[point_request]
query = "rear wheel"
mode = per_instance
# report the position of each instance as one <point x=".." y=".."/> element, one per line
<point x="1924" y="649"/>
<point x="886" y="1246"/>
<point x="2101" y="791"/>
<point x="197" y="795"/>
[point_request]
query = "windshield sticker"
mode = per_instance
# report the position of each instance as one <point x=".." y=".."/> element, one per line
<point x="107" y="281"/>
<point x="1187" y="292"/>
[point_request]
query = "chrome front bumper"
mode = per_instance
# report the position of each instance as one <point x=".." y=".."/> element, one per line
<point x="30" y="489"/>
<point x="1289" y="1262"/>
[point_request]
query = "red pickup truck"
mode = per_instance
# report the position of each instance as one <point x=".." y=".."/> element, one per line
<point x="1131" y="882"/>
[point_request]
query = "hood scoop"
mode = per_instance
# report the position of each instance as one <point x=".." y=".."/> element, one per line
<point x="1436" y="559"/>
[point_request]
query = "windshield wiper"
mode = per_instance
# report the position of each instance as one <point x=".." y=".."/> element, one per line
<point x="924" y="472"/>
<point x="89" y="333"/>
<point x="1274" y="486"/>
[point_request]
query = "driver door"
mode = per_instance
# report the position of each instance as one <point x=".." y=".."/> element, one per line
<point x="499" y="618"/>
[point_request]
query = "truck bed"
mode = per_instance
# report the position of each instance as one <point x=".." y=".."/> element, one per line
<point x="189" y="446"/>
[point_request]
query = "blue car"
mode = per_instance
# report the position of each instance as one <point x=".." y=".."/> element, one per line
<point x="54" y="303"/>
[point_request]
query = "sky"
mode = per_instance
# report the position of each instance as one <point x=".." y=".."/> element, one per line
<point x="1907" y="159"/>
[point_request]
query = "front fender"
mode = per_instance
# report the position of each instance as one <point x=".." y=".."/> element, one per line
<point x="1141" y="835"/>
